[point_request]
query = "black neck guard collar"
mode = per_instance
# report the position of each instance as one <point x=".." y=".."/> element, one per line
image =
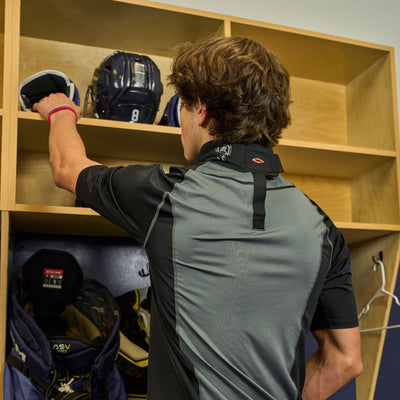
<point x="243" y="157"/>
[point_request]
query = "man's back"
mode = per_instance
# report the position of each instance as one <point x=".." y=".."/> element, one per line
<point x="240" y="299"/>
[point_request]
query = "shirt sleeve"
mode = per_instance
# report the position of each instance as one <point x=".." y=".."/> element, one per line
<point x="127" y="196"/>
<point x="336" y="308"/>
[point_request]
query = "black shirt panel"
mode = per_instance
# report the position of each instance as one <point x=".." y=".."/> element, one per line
<point x="336" y="307"/>
<point x="119" y="193"/>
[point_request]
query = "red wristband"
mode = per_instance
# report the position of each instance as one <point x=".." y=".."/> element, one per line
<point x="54" y="110"/>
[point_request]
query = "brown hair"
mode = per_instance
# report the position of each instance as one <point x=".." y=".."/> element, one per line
<point x="243" y="84"/>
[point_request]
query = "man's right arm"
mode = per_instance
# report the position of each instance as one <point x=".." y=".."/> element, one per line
<point x="67" y="151"/>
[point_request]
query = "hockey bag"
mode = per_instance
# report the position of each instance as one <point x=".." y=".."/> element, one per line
<point x="65" y="333"/>
<point x="133" y="356"/>
<point x="42" y="84"/>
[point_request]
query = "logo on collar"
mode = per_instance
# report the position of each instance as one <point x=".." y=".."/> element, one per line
<point x="257" y="160"/>
<point x="224" y="151"/>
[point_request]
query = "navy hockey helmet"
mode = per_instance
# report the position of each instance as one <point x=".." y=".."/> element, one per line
<point x="127" y="87"/>
<point x="172" y="112"/>
<point x="43" y="83"/>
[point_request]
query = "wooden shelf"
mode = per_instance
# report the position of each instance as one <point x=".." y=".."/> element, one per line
<point x="2" y="16"/>
<point x="124" y="140"/>
<point x="4" y="235"/>
<point x="84" y="221"/>
<point x="307" y="158"/>
<point x="115" y="25"/>
<point x="355" y="232"/>
<point x="127" y="141"/>
<point x="66" y="220"/>
<point x="310" y="55"/>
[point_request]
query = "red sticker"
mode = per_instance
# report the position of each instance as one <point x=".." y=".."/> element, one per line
<point x="52" y="278"/>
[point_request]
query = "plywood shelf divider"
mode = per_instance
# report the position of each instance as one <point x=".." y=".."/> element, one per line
<point x="170" y="7"/>
<point x="167" y="24"/>
<point x="62" y="220"/>
<point x="124" y="138"/>
<point x="106" y="123"/>
<point x="337" y="148"/>
<point x="287" y="143"/>
<point x="354" y="232"/>
<point x="34" y="208"/>
<point x="4" y="233"/>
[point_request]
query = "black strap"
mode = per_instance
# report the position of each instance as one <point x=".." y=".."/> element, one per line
<point x="18" y="364"/>
<point x="48" y="388"/>
<point x="260" y="191"/>
<point x="103" y="389"/>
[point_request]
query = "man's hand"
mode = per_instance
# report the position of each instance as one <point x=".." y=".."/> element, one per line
<point x="55" y="100"/>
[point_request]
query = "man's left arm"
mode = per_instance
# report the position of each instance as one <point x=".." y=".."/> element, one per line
<point x="67" y="151"/>
<point x="336" y="362"/>
<point x="334" y="326"/>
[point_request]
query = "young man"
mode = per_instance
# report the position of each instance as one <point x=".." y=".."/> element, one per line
<point x="242" y="264"/>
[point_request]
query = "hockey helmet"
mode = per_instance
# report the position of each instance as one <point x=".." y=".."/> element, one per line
<point x="127" y="87"/>
<point x="172" y="112"/>
<point x="43" y="83"/>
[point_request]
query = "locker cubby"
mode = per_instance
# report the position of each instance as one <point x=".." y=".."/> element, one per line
<point x="366" y="198"/>
<point x="342" y="89"/>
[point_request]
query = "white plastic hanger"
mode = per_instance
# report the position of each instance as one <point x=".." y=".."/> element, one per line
<point x="381" y="292"/>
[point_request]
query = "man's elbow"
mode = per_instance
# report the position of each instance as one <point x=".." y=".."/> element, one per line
<point x="62" y="176"/>
<point x="354" y="367"/>
<point x="358" y="368"/>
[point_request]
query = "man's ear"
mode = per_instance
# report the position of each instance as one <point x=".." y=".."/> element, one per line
<point x="202" y="116"/>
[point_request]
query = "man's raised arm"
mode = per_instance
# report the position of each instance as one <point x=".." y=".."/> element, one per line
<point x="67" y="151"/>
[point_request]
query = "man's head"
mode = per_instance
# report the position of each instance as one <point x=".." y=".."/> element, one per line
<point x="242" y="85"/>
